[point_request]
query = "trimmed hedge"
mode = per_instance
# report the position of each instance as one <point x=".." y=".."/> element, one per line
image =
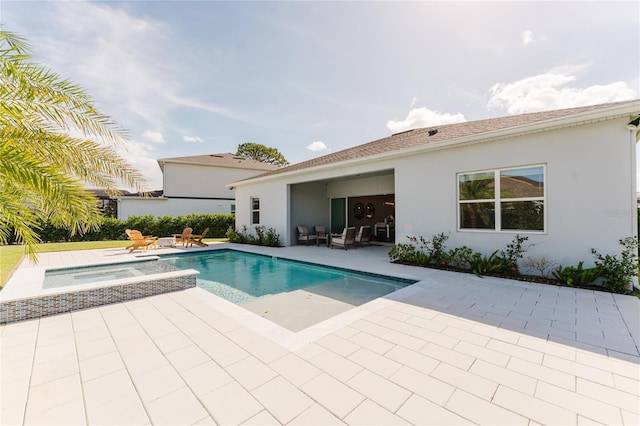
<point x="162" y="226"/>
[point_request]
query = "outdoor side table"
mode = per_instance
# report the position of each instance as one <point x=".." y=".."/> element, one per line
<point x="167" y="242"/>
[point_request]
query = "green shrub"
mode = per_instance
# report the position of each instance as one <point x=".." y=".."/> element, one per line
<point x="618" y="271"/>
<point x="263" y="236"/>
<point x="272" y="238"/>
<point x="512" y="253"/>
<point x="459" y="257"/>
<point x="260" y="230"/>
<point x="433" y="249"/>
<point x="408" y="253"/>
<point x="232" y="234"/>
<point x="144" y="224"/>
<point x="577" y="275"/>
<point x="483" y="265"/>
<point x="168" y="225"/>
<point x="113" y="229"/>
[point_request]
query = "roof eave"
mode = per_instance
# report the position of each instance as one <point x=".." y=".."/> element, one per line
<point x="202" y="163"/>
<point x="603" y="114"/>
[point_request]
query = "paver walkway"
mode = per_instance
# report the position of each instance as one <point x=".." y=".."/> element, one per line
<point x="453" y="349"/>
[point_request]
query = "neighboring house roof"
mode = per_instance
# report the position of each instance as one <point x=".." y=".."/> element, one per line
<point x="466" y="132"/>
<point x="150" y="194"/>
<point x="104" y="195"/>
<point x="221" y="160"/>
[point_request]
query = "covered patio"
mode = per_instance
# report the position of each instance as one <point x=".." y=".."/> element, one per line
<point x="362" y="199"/>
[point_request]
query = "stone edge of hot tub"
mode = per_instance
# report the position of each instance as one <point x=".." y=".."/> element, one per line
<point x="66" y="301"/>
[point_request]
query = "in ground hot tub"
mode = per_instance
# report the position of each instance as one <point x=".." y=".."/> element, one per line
<point x="68" y="289"/>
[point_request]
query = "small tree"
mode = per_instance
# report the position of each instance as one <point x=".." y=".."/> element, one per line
<point x="262" y="153"/>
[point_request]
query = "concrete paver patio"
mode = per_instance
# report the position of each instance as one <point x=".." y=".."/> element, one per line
<point x="452" y="349"/>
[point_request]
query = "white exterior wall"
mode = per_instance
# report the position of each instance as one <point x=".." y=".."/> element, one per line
<point x="588" y="185"/>
<point x="170" y="207"/>
<point x="274" y="201"/>
<point x="193" y="180"/>
<point x="590" y="191"/>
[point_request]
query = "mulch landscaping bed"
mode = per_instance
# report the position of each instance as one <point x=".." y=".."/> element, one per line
<point x="527" y="278"/>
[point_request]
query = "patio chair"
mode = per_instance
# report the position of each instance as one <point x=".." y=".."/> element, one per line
<point x="304" y="236"/>
<point x="363" y="236"/>
<point x="321" y="234"/>
<point x="184" y="237"/>
<point x="138" y="241"/>
<point x="197" y="239"/>
<point x="128" y="232"/>
<point x="346" y="239"/>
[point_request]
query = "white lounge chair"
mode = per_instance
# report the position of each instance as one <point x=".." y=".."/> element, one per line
<point x="304" y="236"/>
<point x="346" y="239"/>
<point x="363" y="235"/>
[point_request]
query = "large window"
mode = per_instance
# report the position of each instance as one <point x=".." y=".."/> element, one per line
<point x="255" y="210"/>
<point x="502" y="200"/>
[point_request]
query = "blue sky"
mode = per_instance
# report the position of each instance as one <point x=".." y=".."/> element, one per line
<point x="309" y="78"/>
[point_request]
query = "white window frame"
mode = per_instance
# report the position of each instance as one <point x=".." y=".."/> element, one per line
<point x="497" y="200"/>
<point x="253" y="211"/>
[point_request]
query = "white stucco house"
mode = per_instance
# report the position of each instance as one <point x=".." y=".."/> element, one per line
<point x="194" y="184"/>
<point x="564" y="178"/>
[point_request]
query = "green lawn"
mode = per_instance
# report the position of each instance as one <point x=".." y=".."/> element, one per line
<point x="11" y="255"/>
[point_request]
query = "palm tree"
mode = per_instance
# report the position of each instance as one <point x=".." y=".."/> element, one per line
<point x="44" y="167"/>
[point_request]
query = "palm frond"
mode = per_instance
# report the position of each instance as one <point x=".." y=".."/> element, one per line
<point x="32" y="97"/>
<point x="43" y="170"/>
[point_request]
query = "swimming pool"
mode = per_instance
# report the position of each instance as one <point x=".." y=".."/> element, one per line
<point x="240" y="277"/>
<point x="292" y="294"/>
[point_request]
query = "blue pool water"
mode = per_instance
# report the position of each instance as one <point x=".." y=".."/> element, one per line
<point x="240" y="277"/>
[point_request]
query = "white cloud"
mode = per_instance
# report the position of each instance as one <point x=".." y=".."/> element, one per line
<point x="317" y="146"/>
<point x="527" y="37"/>
<point x="121" y="59"/>
<point x="155" y="137"/>
<point x="191" y="139"/>
<point x="140" y="155"/>
<point x="549" y="91"/>
<point x="423" y="117"/>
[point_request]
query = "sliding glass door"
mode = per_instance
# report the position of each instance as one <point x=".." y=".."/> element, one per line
<point x="338" y="215"/>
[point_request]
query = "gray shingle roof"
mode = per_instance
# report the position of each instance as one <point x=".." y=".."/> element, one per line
<point x="421" y="137"/>
<point x="221" y="160"/>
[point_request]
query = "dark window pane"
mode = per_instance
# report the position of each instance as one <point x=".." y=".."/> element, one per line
<point x="255" y="202"/>
<point x="523" y="215"/>
<point x="477" y="216"/>
<point x="255" y="217"/>
<point x="477" y="186"/>
<point x="522" y="183"/>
